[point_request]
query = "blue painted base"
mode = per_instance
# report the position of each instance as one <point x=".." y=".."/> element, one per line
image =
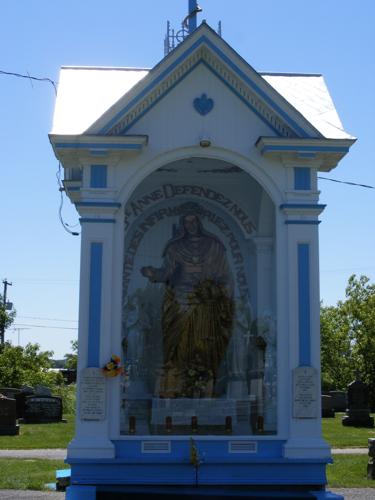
<point x="263" y="473"/>
<point x="199" y="493"/>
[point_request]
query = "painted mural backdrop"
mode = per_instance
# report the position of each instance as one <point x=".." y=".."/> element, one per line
<point x="194" y="353"/>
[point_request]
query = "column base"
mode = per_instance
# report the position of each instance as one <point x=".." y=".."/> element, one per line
<point x="307" y="448"/>
<point x="90" y="448"/>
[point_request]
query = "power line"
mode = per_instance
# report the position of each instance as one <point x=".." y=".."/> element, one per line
<point x="48" y="319"/>
<point x="46" y="326"/>
<point x="29" y="77"/>
<point x="347" y="182"/>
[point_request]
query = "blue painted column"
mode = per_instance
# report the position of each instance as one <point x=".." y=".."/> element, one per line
<point x="95" y="304"/>
<point x="304" y="315"/>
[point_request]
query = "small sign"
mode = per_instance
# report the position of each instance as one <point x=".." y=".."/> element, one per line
<point x="305" y="392"/>
<point x="92" y="392"/>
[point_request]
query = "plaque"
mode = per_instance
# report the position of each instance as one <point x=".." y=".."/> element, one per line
<point x="92" y="392"/>
<point x="305" y="392"/>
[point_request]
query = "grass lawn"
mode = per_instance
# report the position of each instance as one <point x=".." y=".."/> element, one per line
<point x="349" y="471"/>
<point x="339" y="436"/>
<point x="58" y="435"/>
<point x="33" y="436"/>
<point x="16" y="474"/>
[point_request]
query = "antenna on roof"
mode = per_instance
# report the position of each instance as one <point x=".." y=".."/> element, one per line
<point x="188" y="25"/>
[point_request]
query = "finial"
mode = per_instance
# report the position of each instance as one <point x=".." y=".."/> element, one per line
<point x="190" y="20"/>
<point x="189" y="24"/>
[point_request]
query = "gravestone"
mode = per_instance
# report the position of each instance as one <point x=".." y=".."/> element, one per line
<point x="339" y="400"/>
<point x="8" y="417"/>
<point x="9" y="392"/>
<point x="42" y="390"/>
<point x="20" y="397"/>
<point x="327" y="407"/>
<point x="43" y="409"/>
<point x="358" y="412"/>
<point x="371" y="460"/>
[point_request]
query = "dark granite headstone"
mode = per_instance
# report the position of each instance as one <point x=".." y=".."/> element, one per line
<point x="20" y="397"/>
<point x="371" y="461"/>
<point x="339" y="400"/>
<point x="358" y="412"/>
<point x="43" y="409"/>
<point x="8" y="419"/>
<point x="9" y="392"/>
<point x="327" y="407"/>
<point x="42" y="390"/>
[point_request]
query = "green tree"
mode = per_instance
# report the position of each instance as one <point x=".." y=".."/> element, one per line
<point x="359" y="308"/>
<point x="348" y="338"/>
<point x="26" y="366"/>
<point x="72" y="357"/>
<point x="336" y="348"/>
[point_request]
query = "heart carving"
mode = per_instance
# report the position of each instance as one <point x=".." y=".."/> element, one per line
<point x="203" y="104"/>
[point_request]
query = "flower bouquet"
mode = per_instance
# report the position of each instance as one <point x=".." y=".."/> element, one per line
<point x="113" y="367"/>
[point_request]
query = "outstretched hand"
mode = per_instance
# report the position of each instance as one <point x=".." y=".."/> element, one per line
<point x="148" y="272"/>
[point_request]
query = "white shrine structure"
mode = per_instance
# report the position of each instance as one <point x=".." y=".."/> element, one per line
<point x="196" y="186"/>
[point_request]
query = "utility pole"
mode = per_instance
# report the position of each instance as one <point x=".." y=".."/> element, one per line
<point x="18" y="330"/>
<point x="6" y="283"/>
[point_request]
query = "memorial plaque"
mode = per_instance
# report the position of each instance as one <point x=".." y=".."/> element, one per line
<point x="42" y="409"/>
<point x="92" y="392"/>
<point x="305" y="392"/>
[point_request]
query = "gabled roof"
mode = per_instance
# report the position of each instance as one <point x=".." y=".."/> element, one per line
<point x="108" y="101"/>
<point x="85" y="93"/>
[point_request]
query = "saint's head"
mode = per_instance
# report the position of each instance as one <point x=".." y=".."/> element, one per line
<point x="192" y="225"/>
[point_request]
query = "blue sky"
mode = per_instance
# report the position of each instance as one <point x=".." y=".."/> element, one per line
<point x="335" y="38"/>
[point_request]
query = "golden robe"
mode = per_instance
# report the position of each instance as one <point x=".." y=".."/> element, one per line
<point x="197" y="313"/>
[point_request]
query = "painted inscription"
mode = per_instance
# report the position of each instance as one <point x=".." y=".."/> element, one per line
<point x="168" y="191"/>
<point x="174" y="211"/>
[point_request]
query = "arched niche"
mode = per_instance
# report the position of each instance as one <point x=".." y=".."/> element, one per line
<point x="198" y="330"/>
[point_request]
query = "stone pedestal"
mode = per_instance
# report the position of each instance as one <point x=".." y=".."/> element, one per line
<point x="358" y="418"/>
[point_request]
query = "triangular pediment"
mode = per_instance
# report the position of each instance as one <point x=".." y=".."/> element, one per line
<point x="205" y="47"/>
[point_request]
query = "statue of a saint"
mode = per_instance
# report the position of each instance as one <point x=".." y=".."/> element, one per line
<point x="198" y="309"/>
